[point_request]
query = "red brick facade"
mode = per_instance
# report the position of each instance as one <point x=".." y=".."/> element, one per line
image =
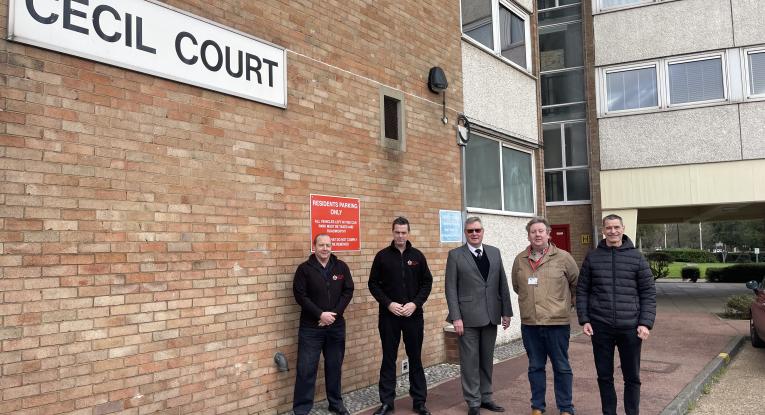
<point x="149" y="229"/>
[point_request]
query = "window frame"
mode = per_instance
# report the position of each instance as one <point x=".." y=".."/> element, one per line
<point x="497" y="37"/>
<point x="394" y="144"/>
<point x="501" y="144"/>
<point x="602" y="88"/>
<point x="750" y="95"/>
<point x="564" y="168"/>
<point x="597" y="5"/>
<point x="695" y="58"/>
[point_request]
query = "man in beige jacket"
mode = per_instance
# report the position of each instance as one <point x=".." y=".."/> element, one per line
<point x="544" y="277"/>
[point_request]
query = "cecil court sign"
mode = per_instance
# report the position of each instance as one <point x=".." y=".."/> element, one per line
<point x="154" y="38"/>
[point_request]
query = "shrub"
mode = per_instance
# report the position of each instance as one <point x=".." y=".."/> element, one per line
<point x="690" y="273"/>
<point x="736" y="273"/>
<point x="735" y="257"/>
<point x="691" y="255"/>
<point x="659" y="263"/>
<point x="739" y="306"/>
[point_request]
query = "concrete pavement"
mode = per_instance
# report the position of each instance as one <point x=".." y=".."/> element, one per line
<point x="687" y="336"/>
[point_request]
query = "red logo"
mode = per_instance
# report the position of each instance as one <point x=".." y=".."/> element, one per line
<point x="338" y="277"/>
<point x="412" y="263"/>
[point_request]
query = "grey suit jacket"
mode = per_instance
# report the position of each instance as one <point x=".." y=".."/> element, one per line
<point x="477" y="302"/>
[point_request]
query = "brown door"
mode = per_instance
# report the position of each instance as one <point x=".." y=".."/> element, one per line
<point x="560" y="237"/>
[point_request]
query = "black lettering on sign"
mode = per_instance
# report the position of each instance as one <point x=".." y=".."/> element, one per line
<point x="97" y="23"/>
<point x="178" y="39"/>
<point x="44" y="20"/>
<point x="69" y="12"/>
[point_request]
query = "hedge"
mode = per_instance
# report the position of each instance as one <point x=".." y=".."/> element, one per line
<point x="736" y="273"/>
<point x="691" y="255"/>
<point x="690" y="273"/>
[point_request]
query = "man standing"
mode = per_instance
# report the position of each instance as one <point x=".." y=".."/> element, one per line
<point x="478" y="297"/>
<point x="544" y="277"/>
<point x="400" y="281"/>
<point x="323" y="287"/>
<point x="616" y="304"/>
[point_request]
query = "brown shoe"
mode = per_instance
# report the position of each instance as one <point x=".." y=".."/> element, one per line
<point x="565" y="413"/>
<point x="538" y="412"/>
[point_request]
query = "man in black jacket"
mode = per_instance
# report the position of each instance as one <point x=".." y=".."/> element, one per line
<point x="616" y="304"/>
<point x="400" y="281"/>
<point x="323" y="287"/>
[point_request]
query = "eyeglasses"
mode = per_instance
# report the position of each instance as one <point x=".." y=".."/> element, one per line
<point x="479" y="230"/>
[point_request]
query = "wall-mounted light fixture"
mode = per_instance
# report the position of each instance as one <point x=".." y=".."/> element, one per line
<point x="437" y="83"/>
<point x="281" y="362"/>
<point x="463" y="130"/>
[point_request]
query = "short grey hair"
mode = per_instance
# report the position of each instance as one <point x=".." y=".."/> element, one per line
<point x="473" y="219"/>
<point x="538" y="219"/>
<point x="613" y="217"/>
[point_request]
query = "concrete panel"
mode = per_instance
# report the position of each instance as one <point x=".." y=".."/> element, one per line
<point x="698" y="135"/>
<point x="688" y="185"/>
<point x="664" y="29"/>
<point x="498" y="94"/>
<point x="748" y="16"/>
<point x="508" y="233"/>
<point x="526" y="4"/>
<point x="753" y="130"/>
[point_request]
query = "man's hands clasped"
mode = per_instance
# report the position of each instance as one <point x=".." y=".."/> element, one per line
<point x="402" y="310"/>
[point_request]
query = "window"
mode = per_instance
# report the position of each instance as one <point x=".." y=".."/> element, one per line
<point x="631" y="89"/>
<point x="567" y="176"/>
<point x="613" y="4"/>
<point x="392" y="133"/>
<point x="560" y="47"/>
<point x="562" y="87"/>
<point x="696" y="81"/>
<point x="499" y="26"/>
<point x="549" y="4"/>
<point x="756" y="68"/>
<point x="498" y="177"/>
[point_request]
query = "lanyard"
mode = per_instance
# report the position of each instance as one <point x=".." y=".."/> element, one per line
<point x="535" y="264"/>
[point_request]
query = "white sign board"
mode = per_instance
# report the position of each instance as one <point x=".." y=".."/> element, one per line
<point x="757" y="251"/>
<point x="157" y="39"/>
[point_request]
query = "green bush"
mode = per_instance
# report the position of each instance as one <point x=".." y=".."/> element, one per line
<point x="690" y="273"/>
<point x="736" y="257"/>
<point x="739" y="306"/>
<point x="691" y="255"/>
<point x="736" y="273"/>
<point x="659" y="263"/>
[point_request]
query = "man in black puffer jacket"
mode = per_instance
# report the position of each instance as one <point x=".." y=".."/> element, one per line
<point x="616" y="304"/>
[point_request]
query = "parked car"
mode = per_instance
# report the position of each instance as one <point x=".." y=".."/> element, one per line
<point x="757" y="320"/>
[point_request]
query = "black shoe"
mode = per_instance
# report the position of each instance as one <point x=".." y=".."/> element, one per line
<point x="492" y="406"/>
<point x="339" y="411"/>
<point x="421" y="409"/>
<point x="385" y="409"/>
<point x="473" y="410"/>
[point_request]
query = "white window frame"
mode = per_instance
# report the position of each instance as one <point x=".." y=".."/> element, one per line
<point x="496" y="36"/>
<point x="500" y="145"/>
<point x="602" y="88"/>
<point x="750" y="95"/>
<point x="564" y="168"/>
<point x="598" y="7"/>
<point x="560" y="6"/>
<point x="696" y="58"/>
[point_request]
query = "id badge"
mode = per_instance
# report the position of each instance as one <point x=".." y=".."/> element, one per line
<point x="533" y="280"/>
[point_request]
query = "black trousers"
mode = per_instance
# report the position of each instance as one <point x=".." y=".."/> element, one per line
<point x="604" y="339"/>
<point x="391" y="327"/>
<point x="313" y="342"/>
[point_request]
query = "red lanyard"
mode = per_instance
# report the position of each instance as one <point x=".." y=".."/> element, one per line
<point x="535" y="264"/>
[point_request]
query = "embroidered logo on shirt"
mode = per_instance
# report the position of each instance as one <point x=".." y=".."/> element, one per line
<point x="338" y="277"/>
<point x="411" y="263"/>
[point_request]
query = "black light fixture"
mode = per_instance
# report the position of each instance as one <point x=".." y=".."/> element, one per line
<point x="437" y="83"/>
<point x="281" y="362"/>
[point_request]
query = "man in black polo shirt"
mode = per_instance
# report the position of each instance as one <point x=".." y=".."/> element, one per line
<point x="401" y="281"/>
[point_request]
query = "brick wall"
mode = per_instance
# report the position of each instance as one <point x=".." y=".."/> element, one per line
<point x="578" y="217"/>
<point x="149" y="229"/>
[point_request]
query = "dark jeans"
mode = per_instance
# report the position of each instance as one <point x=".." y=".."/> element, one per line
<point x="311" y="343"/>
<point x="542" y="342"/>
<point x="604" y="339"/>
<point x="391" y="327"/>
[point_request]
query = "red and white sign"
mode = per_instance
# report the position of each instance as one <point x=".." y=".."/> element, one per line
<point x="339" y="218"/>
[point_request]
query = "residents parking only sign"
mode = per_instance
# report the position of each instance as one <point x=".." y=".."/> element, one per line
<point x="338" y="217"/>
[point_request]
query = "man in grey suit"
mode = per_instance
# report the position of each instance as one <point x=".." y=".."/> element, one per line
<point x="478" y="296"/>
